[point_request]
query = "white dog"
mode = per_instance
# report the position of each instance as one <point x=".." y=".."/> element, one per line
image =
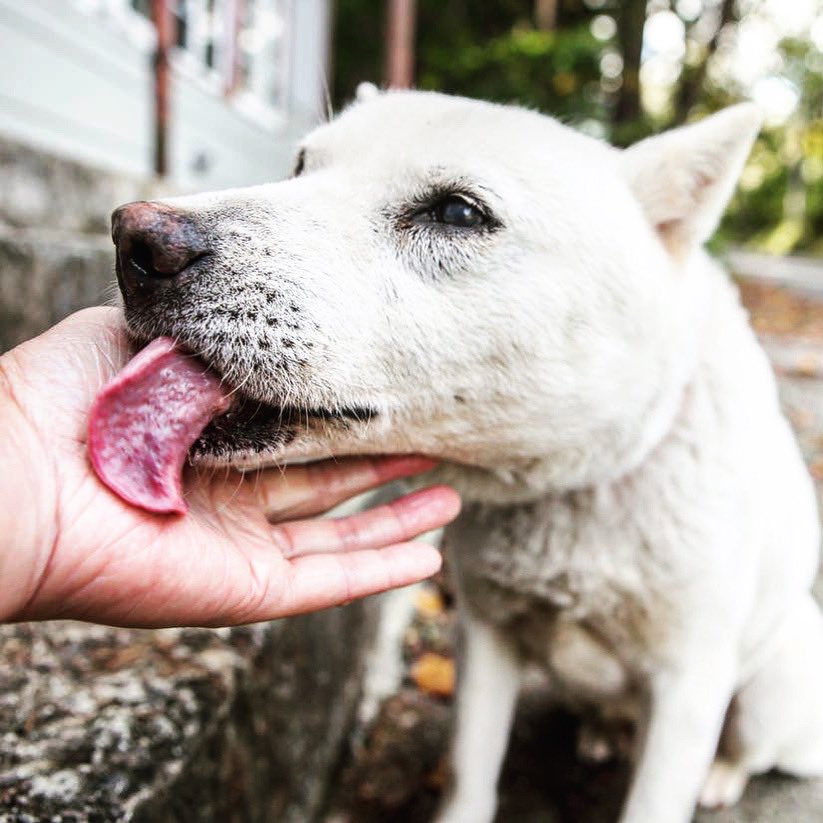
<point x="482" y="284"/>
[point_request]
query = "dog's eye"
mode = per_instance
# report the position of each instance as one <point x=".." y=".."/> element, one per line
<point x="299" y="164"/>
<point x="452" y="214"/>
<point x="457" y="211"/>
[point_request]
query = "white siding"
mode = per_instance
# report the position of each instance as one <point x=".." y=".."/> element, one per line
<point x="312" y="27"/>
<point x="70" y="85"/>
<point x="74" y="85"/>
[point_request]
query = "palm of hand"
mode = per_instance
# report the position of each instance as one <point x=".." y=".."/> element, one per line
<point x="231" y="559"/>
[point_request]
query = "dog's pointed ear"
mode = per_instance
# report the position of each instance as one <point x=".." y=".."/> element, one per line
<point x="685" y="177"/>
<point x="366" y="91"/>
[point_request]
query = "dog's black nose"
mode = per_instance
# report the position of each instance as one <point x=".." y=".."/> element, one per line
<point x="155" y="244"/>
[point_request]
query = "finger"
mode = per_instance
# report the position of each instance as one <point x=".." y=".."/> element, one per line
<point x="395" y="522"/>
<point x="324" y="580"/>
<point x="305" y="491"/>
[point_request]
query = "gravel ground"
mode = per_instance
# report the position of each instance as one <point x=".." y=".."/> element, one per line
<point x="396" y="768"/>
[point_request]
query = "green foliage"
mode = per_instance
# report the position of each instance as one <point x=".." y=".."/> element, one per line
<point x="779" y="207"/>
<point x="358" y="48"/>
<point x="555" y="71"/>
<point x="759" y="199"/>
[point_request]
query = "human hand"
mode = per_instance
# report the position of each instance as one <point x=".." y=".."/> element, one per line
<point x="251" y="547"/>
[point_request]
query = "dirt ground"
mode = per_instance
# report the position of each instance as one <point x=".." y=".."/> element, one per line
<point x="396" y="768"/>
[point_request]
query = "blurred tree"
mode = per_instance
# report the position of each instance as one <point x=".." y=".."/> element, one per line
<point x="512" y="67"/>
<point x="446" y="31"/>
<point x="631" y="18"/>
<point x="358" y="48"/>
<point x="545" y="14"/>
<point x="693" y="76"/>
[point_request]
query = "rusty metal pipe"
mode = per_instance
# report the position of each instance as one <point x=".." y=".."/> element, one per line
<point x="164" y="26"/>
<point x="238" y="9"/>
<point x="400" y="43"/>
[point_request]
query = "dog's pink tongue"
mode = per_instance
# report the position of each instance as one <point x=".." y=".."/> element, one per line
<point x="143" y="423"/>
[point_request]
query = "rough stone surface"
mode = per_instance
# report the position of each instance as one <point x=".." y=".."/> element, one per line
<point x="100" y="724"/>
<point x="56" y="254"/>
<point x="40" y="190"/>
<point x="46" y="275"/>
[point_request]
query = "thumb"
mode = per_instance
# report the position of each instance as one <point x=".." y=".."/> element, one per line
<point x="56" y="376"/>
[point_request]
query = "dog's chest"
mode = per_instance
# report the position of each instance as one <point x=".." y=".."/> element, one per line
<point x="571" y="579"/>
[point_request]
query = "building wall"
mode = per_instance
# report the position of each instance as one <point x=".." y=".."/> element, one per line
<point x="76" y="85"/>
<point x="71" y="86"/>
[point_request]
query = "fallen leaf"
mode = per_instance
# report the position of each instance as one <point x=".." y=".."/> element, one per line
<point x="429" y="603"/>
<point x="434" y="674"/>
<point x="807" y="365"/>
<point x="816" y="468"/>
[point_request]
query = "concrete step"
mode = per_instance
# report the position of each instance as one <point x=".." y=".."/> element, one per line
<point x="803" y="274"/>
<point x="46" y="274"/>
<point x="40" y="189"/>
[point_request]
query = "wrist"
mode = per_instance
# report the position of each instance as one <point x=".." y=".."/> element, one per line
<point x="27" y="497"/>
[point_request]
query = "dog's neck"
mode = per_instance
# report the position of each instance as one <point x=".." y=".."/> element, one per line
<point x="607" y="459"/>
<point x="619" y="451"/>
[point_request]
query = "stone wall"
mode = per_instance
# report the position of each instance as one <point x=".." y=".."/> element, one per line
<point x="245" y="725"/>
<point x="42" y="191"/>
<point x="46" y="275"/>
<point x="56" y="254"/>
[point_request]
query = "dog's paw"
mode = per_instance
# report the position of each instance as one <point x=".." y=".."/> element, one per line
<point x="724" y="785"/>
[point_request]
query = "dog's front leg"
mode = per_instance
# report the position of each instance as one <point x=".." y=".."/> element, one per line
<point x="686" y="712"/>
<point x="489" y="681"/>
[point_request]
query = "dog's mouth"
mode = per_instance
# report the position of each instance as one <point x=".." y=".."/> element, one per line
<point x="251" y="426"/>
<point x="166" y="406"/>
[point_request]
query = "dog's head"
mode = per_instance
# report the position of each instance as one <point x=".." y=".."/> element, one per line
<point x="470" y="281"/>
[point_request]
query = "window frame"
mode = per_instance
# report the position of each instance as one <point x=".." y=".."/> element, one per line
<point x="189" y="61"/>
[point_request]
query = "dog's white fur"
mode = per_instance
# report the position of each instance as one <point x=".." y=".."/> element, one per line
<point x="637" y="516"/>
